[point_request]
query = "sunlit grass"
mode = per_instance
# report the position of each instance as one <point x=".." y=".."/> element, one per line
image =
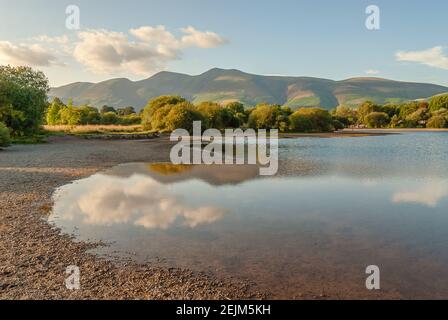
<point x="94" y="129"/>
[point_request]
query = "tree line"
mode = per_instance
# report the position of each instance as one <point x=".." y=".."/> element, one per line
<point x="59" y="113"/>
<point x="413" y="114"/>
<point x="24" y="107"/>
<point x="168" y="113"/>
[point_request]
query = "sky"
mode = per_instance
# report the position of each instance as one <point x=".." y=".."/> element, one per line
<point x="137" y="38"/>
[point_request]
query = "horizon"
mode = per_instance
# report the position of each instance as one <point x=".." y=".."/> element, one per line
<point x="249" y="73"/>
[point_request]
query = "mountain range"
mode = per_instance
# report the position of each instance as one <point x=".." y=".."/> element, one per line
<point x="224" y="86"/>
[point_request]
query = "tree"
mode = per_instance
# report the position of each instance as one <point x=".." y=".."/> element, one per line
<point x="266" y="116"/>
<point x="23" y="99"/>
<point x="377" y="119"/>
<point x="109" y="118"/>
<point x="125" y="111"/>
<point x="89" y="115"/>
<point x="417" y="118"/>
<point x="365" y="109"/>
<point x="240" y="116"/>
<point x="439" y="119"/>
<point x="216" y="116"/>
<point x="439" y="102"/>
<point x="345" y="115"/>
<point x="182" y="116"/>
<point x="4" y="135"/>
<point x="155" y="104"/>
<point x="311" y="120"/>
<point x="54" y="112"/>
<point x="106" y="109"/>
<point x="70" y="115"/>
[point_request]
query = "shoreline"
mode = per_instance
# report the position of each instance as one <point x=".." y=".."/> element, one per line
<point x="34" y="255"/>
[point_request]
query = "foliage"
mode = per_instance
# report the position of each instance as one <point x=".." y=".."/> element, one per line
<point x="439" y="102"/>
<point x="311" y="120"/>
<point x="377" y="119"/>
<point x="266" y="116"/>
<point x="4" y="135"/>
<point x="23" y="99"/>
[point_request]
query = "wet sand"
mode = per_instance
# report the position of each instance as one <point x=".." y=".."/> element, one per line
<point x="34" y="255"/>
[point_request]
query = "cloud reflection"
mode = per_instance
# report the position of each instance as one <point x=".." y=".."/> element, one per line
<point x="139" y="200"/>
<point x="429" y="194"/>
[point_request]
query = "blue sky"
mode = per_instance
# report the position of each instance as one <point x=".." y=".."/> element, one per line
<point x="303" y="38"/>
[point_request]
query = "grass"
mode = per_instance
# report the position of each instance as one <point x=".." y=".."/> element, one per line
<point x="94" y="129"/>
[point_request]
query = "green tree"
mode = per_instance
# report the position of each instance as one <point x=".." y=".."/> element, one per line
<point x="106" y="109"/>
<point x="239" y="114"/>
<point x="377" y="119"/>
<point x="89" y="115"/>
<point x="216" y="116"/>
<point x="23" y="99"/>
<point x="126" y="111"/>
<point x="365" y="109"/>
<point x="345" y="115"/>
<point x="4" y="135"/>
<point x="265" y="116"/>
<point x="311" y="120"/>
<point x="54" y="112"/>
<point x="437" y="122"/>
<point x="70" y="115"/>
<point x="439" y="102"/>
<point x="109" y="118"/>
<point x="182" y="116"/>
<point x="155" y="104"/>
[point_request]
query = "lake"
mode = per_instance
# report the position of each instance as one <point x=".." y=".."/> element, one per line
<point x="337" y="206"/>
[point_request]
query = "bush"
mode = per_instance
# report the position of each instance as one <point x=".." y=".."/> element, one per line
<point x="109" y="118"/>
<point x="217" y="117"/>
<point x="4" y="135"/>
<point x="439" y="102"/>
<point x="437" y="122"/>
<point x="377" y="119"/>
<point x="156" y="104"/>
<point x="266" y="116"/>
<point x="181" y="116"/>
<point x="311" y="120"/>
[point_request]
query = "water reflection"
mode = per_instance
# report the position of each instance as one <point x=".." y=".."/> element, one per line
<point x="337" y="207"/>
<point x="136" y="200"/>
<point x="429" y="194"/>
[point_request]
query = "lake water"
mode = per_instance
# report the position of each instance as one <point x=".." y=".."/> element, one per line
<point x="336" y="206"/>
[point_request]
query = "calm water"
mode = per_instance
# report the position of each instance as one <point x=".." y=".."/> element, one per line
<point x="337" y="206"/>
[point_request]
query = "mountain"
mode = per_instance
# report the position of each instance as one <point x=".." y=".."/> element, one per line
<point x="229" y="85"/>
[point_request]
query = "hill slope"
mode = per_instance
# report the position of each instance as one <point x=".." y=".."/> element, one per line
<point x="229" y="85"/>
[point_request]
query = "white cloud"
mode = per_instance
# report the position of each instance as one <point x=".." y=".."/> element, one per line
<point x="105" y="51"/>
<point x="433" y="57"/>
<point x="142" y="51"/>
<point x="373" y="71"/>
<point x="26" y="54"/>
<point x="201" y="39"/>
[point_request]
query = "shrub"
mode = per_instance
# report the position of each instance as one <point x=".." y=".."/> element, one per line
<point x="154" y="105"/>
<point x="311" y="120"/>
<point x="437" y="122"/>
<point x="4" y="135"/>
<point x="377" y="119"/>
<point x="439" y="102"/>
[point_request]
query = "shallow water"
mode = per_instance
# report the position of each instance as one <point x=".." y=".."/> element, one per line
<point x="337" y="206"/>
